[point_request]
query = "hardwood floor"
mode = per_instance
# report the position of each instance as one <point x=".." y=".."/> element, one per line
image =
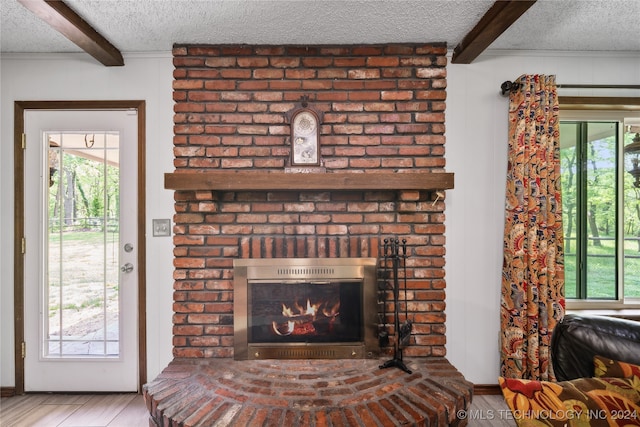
<point x="490" y="411"/>
<point x="66" y="410"/>
<point x="128" y="410"/>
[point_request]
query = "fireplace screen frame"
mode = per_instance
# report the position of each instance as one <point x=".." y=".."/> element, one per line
<point x="305" y="270"/>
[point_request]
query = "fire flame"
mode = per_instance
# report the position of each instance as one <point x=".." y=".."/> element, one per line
<point x="304" y="316"/>
<point x="286" y="311"/>
<point x="333" y="311"/>
<point x="310" y="310"/>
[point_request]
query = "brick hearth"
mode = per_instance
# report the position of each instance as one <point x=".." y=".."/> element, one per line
<point x="292" y="393"/>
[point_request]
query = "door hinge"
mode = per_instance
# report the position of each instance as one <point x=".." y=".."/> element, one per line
<point x="24" y="246"/>
<point x="24" y="349"/>
<point x="24" y="141"/>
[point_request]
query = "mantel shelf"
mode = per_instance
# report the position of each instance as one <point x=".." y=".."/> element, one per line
<point x="339" y="181"/>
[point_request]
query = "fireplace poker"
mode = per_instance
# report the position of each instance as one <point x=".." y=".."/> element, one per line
<point x="407" y="325"/>
<point x="383" y="335"/>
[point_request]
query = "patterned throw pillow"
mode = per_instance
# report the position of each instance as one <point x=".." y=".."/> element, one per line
<point x="577" y="403"/>
<point x="606" y="367"/>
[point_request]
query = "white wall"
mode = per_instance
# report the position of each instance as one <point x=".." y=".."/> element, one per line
<point x="476" y="120"/>
<point x="476" y="151"/>
<point x="79" y="77"/>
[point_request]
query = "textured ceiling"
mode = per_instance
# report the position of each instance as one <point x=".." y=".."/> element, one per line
<point x="155" y="25"/>
<point x="578" y="25"/>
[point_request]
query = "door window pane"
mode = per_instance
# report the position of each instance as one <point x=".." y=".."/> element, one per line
<point x="81" y="290"/>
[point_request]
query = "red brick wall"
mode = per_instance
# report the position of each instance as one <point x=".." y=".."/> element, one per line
<point x="383" y="109"/>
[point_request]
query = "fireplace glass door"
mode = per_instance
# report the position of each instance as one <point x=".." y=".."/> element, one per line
<point x="305" y="308"/>
<point x="305" y="312"/>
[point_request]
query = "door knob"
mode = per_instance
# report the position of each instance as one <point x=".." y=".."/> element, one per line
<point x="127" y="268"/>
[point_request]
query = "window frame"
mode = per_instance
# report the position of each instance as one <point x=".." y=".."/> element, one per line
<point x="575" y="108"/>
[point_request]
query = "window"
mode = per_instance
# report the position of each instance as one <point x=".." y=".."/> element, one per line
<point x="601" y="207"/>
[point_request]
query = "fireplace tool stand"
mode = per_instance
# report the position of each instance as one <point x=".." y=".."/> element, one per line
<point x="397" y="253"/>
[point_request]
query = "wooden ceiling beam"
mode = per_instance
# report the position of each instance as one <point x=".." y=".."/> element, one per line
<point x="498" y="18"/>
<point x="62" y="18"/>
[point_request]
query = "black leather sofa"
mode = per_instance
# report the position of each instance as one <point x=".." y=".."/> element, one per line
<point x="577" y="338"/>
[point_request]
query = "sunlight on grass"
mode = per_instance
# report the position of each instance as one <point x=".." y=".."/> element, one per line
<point x="86" y="237"/>
<point x="76" y="309"/>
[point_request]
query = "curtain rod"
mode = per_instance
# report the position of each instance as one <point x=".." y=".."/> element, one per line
<point x="509" y="86"/>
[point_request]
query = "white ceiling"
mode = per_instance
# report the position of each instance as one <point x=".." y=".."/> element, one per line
<point x="155" y="25"/>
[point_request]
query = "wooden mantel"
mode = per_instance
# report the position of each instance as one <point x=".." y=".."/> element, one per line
<point x="338" y="181"/>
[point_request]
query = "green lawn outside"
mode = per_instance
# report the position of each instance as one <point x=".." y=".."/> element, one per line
<point x="82" y="282"/>
<point x="601" y="270"/>
<point x="87" y="237"/>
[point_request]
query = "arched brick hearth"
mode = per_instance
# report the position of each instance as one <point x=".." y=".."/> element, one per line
<point x="197" y="392"/>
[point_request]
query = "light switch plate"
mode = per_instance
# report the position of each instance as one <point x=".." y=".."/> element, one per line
<point x="161" y="227"/>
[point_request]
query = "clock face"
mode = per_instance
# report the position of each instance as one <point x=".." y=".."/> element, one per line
<point x="305" y="139"/>
<point x="305" y="123"/>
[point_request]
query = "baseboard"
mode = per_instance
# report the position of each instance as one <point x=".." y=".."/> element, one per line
<point x="479" y="389"/>
<point x="7" y="391"/>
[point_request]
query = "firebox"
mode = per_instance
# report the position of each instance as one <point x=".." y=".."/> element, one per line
<point x="305" y="308"/>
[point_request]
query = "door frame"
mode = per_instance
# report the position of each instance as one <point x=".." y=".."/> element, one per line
<point x="18" y="250"/>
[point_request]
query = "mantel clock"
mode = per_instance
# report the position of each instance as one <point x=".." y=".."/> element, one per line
<point x="305" y="137"/>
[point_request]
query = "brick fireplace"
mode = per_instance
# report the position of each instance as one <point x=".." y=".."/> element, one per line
<point x="384" y="110"/>
<point x="382" y="147"/>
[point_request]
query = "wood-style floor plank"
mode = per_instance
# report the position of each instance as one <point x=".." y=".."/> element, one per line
<point x="489" y="411"/>
<point x="135" y="414"/>
<point x="99" y="411"/>
<point x="13" y="408"/>
<point x="66" y="399"/>
<point x="45" y="416"/>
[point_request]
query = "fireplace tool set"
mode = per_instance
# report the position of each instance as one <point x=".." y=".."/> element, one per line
<point x="395" y="253"/>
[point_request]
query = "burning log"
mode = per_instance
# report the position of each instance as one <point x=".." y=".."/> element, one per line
<point x="283" y="329"/>
<point x="298" y="318"/>
<point x="293" y="328"/>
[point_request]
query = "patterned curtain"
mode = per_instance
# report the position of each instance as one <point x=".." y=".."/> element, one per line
<point x="532" y="299"/>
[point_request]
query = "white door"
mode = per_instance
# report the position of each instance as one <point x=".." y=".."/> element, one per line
<point x="80" y="281"/>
